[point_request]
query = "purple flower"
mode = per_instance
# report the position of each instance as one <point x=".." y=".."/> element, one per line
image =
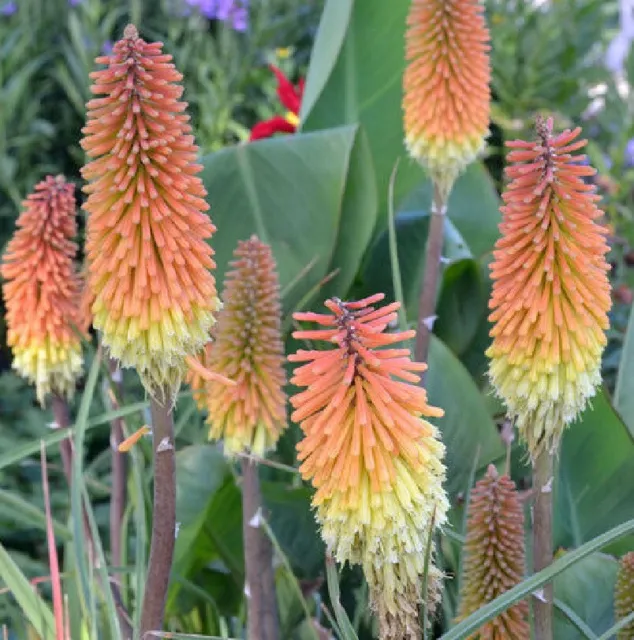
<point x="8" y="9"/>
<point x="233" y="11"/>
<point x="74" y="3"/>
<point x="106" y="48"/>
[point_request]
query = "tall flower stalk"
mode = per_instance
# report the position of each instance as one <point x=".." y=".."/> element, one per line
<point x="250" y="416"/>
<point x="550" y="300"/>
<point x="148" y="257"/>
<point x="446" y="107"/>
<point x="374" y="459"/>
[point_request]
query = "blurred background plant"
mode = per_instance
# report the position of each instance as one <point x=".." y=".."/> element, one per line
<point x="320" y="198"/>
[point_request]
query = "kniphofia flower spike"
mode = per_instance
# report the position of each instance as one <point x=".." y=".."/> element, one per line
<point x="290" y="96"/>
<point x="248" y="349"/>
<point x="42" y="290"/>
<point x="624" y="595"/>
<point x="148" y="257"/>
<point x="551" y="293"/>
<point x="494" y="556"/>
<point x="375" y="461"/>
<point x="446" y="86"/>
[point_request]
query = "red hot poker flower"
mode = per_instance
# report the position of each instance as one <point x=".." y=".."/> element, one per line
<point x="372" y="456"/>
<point x="148" y="257"/>
<point x="42" y="290"/>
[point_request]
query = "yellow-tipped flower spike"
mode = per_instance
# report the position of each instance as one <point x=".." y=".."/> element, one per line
<point x="42" y="289"/>
<point x="624" y="595"/>
<point x="248" y="349"/>
<point x="551" y="292"/>
<point x="494" y="556"/>
<point x="446" y="86"/>
<point x="375" y="461"/>
<point x="148" y="259"/>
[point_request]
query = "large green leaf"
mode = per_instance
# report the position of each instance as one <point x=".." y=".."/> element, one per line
<point x="461" y="305"/>
<point x="294" y="526"/>
<point x="596" y="476"/>
<point x="624" y="392"/>
<point x="467" y="429"/>
<point x="208" y="508"/>
<point x="588" y="589"/>
<point x="356" y="77"/>
<point x="310" y="196"/>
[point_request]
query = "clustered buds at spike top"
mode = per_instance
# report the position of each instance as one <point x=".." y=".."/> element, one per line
<point x="446" y="99"/>
<point x="551" y="292"/>
<point x="148" y="258"/>
<point x="624" y="595"/>
<point x="494" y="556"/>
<point x="247" y="349"/>
<point x="375" y="461"/>
<point x="42" y="289"/>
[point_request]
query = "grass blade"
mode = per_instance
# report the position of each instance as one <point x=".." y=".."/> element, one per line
<point x="397" y="281"/>
<point x="347" y="630"/>
<point x="30" y="448"/>
<point x="621" y="624"/>
<point x="574" y="619"/>
<point x="76" y="502"/>
<point x="35" y="610"/>
<point x="471" y="624"/>
<point x="53" y="560"/>
<point x="23" y="511"/>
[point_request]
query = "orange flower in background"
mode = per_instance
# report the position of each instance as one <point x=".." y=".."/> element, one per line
<point x="42" y="289"/>
<point x="494" y="556"/>
<point x="446" y="86"/>
<point x="551" y="293"/>
<point x="290" y="96"/>
<point x="247" y="349"/>
<point x="375" y="461"/>
<point x="148" y="257"/>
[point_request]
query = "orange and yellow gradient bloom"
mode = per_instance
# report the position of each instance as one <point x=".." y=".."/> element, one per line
<point x="551" y="293"/>
<point x="148" y="257"/>
<point x="494" y="556"/>
<point x="446" y="86"/>
<point x="374" y="460"/>
<point x="250" y="415"/>
<point x="42" y="290"/>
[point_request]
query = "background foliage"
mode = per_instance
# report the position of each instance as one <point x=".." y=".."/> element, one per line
<point x="322" y="199"/>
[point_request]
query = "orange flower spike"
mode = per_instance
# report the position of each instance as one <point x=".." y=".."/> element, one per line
<point x="248" y="349"/>
<point x="624" y="595"/>
<point x="42" y="290"/>
<point x="494" y="556"/>
<point x="551" y="293"/>
<point x="447" y="98"/>
<point x="375" y="461"/>
<point x="148" y="256"/>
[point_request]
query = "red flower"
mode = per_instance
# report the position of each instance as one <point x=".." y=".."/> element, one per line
<point x="290" y="96"/>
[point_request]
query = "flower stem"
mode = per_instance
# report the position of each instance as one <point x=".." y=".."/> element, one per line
<point x="163" y="515"/>
<point x="543" y="542"/>
<point x="258" y="553"/>
<point x="118" y="495"/>
<point x="431" y="274"/>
